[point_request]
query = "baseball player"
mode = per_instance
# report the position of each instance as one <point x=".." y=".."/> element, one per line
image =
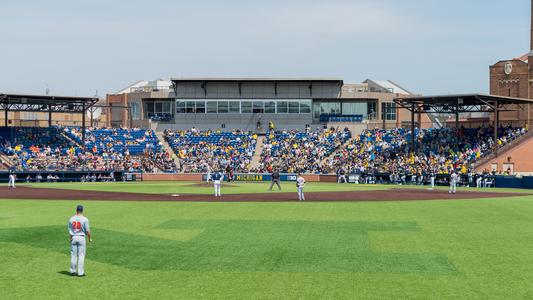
<point x="432" y="179"/>
<point x="78" y="230"/>
<point x="275" y="180"/>
<point x="300" y="182"/>
<point x="454" y="178"/>
<point x="217" y="178"/>
<point x="208" y="170"/>
<point x="341" y="176"/>
<point x="12" y="178"/>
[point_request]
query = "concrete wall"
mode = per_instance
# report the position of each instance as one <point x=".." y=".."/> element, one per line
<point x="257" y="90"/>
<point x="118" y="117"/>
<point x="241" y="121"/>
<point x="198" y="177"/>
<point x="519" y="157"/>
<point x="320" y="92"/>
<point x="170" y="177"/>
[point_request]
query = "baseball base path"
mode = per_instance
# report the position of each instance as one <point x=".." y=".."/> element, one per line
<point x="403" y="194"/>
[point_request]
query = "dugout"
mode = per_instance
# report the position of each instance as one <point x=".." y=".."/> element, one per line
<point x="64" y="176"/>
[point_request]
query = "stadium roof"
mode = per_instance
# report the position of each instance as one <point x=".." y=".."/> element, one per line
<point x="40" y="103"/>
<point x="256" y="79"/>
<point x="461" y="103"/>
<point x="389" y="85"/>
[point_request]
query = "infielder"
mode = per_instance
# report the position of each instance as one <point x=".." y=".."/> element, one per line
<point x="12" y="178"/>
<point x="300" y="182"/>
<point x="432" y="179"/>
<point x="454" y="178"/>
<point x="217" y="178"/>
<point x="275" y="180"/>
<point x="78" y="229"/>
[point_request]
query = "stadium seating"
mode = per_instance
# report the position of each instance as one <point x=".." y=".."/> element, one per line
<point x="437" y="150"/>
<point x="319" y="151"/>
<point x="26" y="137"/>
<point x="295" y="151"/>
<point x="132" y="141"/>
<point x="200" y="151"/>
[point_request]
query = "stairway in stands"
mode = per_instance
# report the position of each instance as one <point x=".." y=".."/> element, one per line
<point x="5" y="162"/>
<point x="68" y="138"/>
<point x="166" y="147"/>
<point x="503" y="150"/>
<point x="337" y="149"/>
<point x="256" y="159"/>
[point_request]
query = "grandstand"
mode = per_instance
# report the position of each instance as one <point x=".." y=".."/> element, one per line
<point x="332" y="145"/>
<point x="202" y="151"/>
<point x="300" y="152"/>
<point x="132" y="141"/>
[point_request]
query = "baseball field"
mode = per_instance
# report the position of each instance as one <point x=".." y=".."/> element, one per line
<point x="173" y="240"/>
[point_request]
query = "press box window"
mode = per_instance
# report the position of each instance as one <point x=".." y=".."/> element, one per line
<point x="200" y="107"/>
<point x="234" y="107"/>
<point x="246" y="107"/>
<point x="223" y="107"/>
<point x="190" y="106"/>
<point x="305" y="107"/>
<point x="180" y="107"/>
<point x="211" y="107"/>
<point x="283" y="107"/>
<point x="389" y="111"/>
<point x="259" y="107"/>
<point x="294" y="107"/>
<point x="270" y="107"/>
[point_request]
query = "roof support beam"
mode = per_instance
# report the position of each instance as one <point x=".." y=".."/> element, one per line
<point x="83" y="126"/>
<point x="413" y="145"/>
<point x="49" y="116"/>
<point x="496" y="125"/>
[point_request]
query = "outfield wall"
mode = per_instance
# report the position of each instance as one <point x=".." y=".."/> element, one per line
<point x="238" y="177"/>
<point x="169" y="177"/>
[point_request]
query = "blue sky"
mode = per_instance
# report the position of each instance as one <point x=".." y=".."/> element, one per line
<point x="428" y="46"/>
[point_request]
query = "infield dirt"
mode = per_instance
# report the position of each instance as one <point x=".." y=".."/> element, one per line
<point x="377" y="195"/>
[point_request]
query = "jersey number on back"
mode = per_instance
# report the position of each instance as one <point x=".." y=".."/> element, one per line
<point x="76" y="226"/>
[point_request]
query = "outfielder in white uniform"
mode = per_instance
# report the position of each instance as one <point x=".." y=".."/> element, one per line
<point x="12" y="178"/>
<point x="217" y="179"/>
<point x="78" y="229"/>
<point x="208" y="170"/>
<point x="432" y="180"/>
<point x="454" y="178"/>
<point x="300" y="182"/>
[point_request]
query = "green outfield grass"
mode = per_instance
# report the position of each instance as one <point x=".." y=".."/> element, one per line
<point x="177" y="187"/>
<point x="183" y="187"/>
<point x="157" y="250"/>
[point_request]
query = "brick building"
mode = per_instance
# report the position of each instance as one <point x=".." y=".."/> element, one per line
<point x="513" y="78"/>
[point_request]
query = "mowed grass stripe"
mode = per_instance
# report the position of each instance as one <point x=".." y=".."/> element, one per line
<point x="487" y="243"/>
<point x="181" y="187"/>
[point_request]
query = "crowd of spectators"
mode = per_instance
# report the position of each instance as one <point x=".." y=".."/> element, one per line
<point x="60" y="149"/>
<point x="319" y="151"/>
<point x="135" y="141"/>
<point x="206" y="151"/>
<point x="300" y="152"/>
<point x="438" y="151"/>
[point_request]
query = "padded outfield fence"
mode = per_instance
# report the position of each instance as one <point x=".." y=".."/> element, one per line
<point x="72" y="176"/>
<point x="497" y="181"/>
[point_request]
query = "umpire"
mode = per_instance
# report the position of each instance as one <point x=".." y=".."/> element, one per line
<point x="275" y="180"/>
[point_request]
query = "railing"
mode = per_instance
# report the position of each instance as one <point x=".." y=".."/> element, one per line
<point x="504" y="148"/>
<point x="66" y="176"/>
<point x="148" y="89"/>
